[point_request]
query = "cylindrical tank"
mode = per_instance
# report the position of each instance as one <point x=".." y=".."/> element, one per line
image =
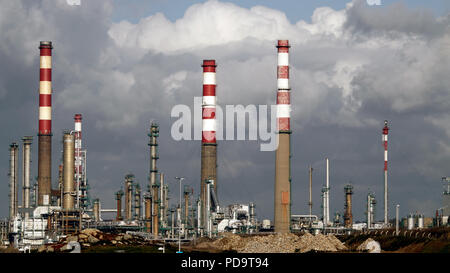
<point x="119" y="195"/>
<point x="96" y="210"/>
<point x="410" y="222"/>
<point x="420" y="221"/>
<point x="68" y="170"/>
<point x="252" y="213"/>
<point x="266" y="224"/>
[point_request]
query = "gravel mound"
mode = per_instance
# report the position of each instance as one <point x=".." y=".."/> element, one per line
<point x="279" y="243"/>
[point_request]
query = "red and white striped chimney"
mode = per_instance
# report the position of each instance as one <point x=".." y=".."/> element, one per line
<point x="283" y="93"/>
<point x="77" y="133"/>
<point x="45" y="89"/>
<point x="385" y="143"/>
<point x="78" y="157"/>
<point x="209" y="102"/>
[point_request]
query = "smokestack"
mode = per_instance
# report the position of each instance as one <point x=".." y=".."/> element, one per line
<point x="348" y="216"/>
<point x="154" y="134"/>
<point x="283" y="152"/>
<point x="385" y="143"/>
<point x="26" y="159"/>
<point x="68" y="171"/>
<point x="45" y="125"/>
<point x="209" y="145"/>
<point x="13" y="172"/>
<point x="119" y="195"/>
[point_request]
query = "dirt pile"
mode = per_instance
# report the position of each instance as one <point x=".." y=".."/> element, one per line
<point x="92" y="237"/>
<point x="279" y="243"/>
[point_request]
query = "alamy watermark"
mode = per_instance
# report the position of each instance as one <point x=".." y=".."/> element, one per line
<point x="262" y="125"/>
<point x="373" y="2"/>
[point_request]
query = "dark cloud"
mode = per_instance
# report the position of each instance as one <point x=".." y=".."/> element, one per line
<point x="350" y="70"/>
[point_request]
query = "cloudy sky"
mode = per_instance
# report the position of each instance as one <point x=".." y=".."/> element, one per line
<point x="122" y="64"/>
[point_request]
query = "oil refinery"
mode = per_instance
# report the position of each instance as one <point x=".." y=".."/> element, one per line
<point x="225" y="127"/>
<point x="48" y="214"/>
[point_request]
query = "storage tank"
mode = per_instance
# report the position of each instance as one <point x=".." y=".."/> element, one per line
<point x="266" y="224"/>
<point x="420" y="221"/>
<point x="410" y="222"/>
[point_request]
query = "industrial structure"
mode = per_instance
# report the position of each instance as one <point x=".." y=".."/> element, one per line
<point x="209" y="144"/>
<point x="385" y="144"/>
<point x="282" y="193"/>
<point x="47" y="214"/>
<point x="348" y="216"/>
<point x="45" y="125"/>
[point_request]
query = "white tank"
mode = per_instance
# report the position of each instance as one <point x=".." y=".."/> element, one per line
<point x="266" y="224"/>
<point x="420" y="221"/>
<point x="410" y="222"/>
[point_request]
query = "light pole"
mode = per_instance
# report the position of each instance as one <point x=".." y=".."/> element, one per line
<point x="180" y="179"/>
<point x="396" y="219"/>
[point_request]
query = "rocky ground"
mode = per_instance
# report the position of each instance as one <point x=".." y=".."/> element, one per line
<point x="275" y="243"/>
<point x="89" y="239"/>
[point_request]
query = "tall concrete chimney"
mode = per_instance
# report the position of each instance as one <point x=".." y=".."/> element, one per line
<point x="209" y="145"/>
<point x="45" y="125"/>
<point x="283" y="153"/>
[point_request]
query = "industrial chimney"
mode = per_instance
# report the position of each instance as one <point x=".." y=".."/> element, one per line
<point x="26" y="159"/>
<point x="283" y="152"/>
<point x="68" y="171"/>
<point x="385" y="143"/>
<point x="13" y="172"/>
<point x="45" y="125"/>
<point x="209" y="145"/>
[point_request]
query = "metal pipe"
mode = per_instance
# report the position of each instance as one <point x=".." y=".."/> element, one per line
<point x="396" y="219"/>
<point x="282" y="198"/>
<point x="327" y="194"/>
<point x="45" y="125"/>
<point x="68" y="171"/>
<point x="310" y="190"/>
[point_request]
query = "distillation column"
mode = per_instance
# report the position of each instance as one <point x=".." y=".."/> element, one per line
<point x="26" y="159"/>
<point x="13" y="172"/>
<point x="129" y="197"/>
<point x="283" y="153"/>
<point x="209" y="145"/>
<point x="68" y="171"/>
<point x="154" y="134"/>
<point x="119" y="195"/>
<point x="45" y="125"/>
<point x="348" y="216"/>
